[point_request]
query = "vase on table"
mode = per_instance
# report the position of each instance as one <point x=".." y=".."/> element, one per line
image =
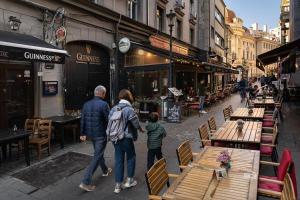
<point x="226" y="165"/>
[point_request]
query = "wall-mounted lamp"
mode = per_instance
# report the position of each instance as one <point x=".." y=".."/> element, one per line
<point x="14" y="23"/>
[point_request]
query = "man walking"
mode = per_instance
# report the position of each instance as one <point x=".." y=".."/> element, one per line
<point x="201" y="93"/>
<point x="93" y="124"/>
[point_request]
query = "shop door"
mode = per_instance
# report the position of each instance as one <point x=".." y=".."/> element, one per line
<point x="87" y="67"/>
<point x="16" y="95"/>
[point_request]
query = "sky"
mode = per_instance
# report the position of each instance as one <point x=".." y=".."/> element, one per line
<point x="260" y="11"/>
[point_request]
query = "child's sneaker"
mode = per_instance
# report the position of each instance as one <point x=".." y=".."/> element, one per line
<point x="130" y="182"/>
<point x="109" y="170"/>
<point x="118" y="188"/>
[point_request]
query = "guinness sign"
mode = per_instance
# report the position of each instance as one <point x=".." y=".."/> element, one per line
<point x="87" y="58"/>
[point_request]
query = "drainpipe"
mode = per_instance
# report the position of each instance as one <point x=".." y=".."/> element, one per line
<point x="116" y="70"/>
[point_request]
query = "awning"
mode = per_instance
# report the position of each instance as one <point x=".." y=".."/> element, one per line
<point x="219" y="68"/>
<point x="16" y="46"/>
<point x="278" y="54"/>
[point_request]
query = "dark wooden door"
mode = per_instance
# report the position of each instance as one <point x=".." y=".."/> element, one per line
<point x="17" y="100"/>
<point x="87" y="67"/>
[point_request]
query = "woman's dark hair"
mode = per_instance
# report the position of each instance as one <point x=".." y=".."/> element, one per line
<point x="126" y="94"/>
<point x="153" y="117"/>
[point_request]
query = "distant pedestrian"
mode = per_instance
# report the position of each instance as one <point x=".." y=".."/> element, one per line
<point x="156" y="132"/>
<point x="242" y="88"/>
<point x="124" y="148"/>
<point x="93" y="124"/>
<point x="202" y="94"/>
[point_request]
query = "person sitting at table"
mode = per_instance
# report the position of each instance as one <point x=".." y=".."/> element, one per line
<point x="253" y="91"/>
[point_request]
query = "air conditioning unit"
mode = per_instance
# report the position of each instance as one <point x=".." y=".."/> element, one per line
<point x="180" y="4"/>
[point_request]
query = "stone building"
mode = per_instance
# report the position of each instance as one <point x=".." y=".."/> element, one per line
<point x="90" y="32"/>
<point x="212" y="34"/>
<point x="245" y="44"/>
<point x="285" y="21"/>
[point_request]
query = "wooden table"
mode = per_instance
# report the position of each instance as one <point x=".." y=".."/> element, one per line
<point x="264" y="103"/>
<point x="242" y="113"/>
<point x="60" y="121"/>
<point x="198" y="182"/>
<point x="8" y="136"/>
<point x="228" y="134"/>
<point x="242" y="160"/>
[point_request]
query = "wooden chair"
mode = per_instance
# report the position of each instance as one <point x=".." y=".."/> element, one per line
<point x="287" y="193"/>
<point x="212" y="125"/>
<point x="226" y="114"/>
<point x="268" y="147"/>
<point x="282" y="168"/>
<point x="157" y="178"/>
<point x="204" y="136"/>
<point x="30" y="125"/>
<point x="184" y="154"/>
<point x="42" y="141"/>
<point x="230" y="109"/>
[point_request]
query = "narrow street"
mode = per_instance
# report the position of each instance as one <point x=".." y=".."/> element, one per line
<point x="67" y="188"/>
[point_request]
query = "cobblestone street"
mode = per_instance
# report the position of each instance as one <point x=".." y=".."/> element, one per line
<point x="67" y="188"/>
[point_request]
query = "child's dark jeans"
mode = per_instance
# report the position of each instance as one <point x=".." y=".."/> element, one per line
<point x="152" y="153"/>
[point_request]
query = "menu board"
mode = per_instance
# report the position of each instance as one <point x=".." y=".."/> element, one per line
<point x="175" y="92"/>
<point x="174" y="112"/>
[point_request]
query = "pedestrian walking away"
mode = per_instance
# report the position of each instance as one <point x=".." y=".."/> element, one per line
<point x="242" y="89"/>
<point x="124" y="147"/>
<point x="156" y="132"/>
<point x="93" y="125"/>
<point x="201" y="93"/>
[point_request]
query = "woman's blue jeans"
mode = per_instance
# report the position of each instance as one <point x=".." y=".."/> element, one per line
<point x="122" y="148"/>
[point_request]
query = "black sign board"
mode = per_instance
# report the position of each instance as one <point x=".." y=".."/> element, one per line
<point x="50" y="88"/>
<point x="13" y="53"/>
<point x="174" y="112"/>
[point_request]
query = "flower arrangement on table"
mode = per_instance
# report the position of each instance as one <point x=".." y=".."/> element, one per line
<point x="240" y="125"/>
<point x="225" y="159"/>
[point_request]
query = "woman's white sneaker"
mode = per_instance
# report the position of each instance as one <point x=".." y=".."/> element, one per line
<point x="130" y="182"/>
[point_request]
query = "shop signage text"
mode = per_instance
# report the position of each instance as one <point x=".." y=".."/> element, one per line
<point x="41" y="57"/>
<point x="4" y="54"/>
<point x="163" y="43"/>
<point x="87" y="58"/>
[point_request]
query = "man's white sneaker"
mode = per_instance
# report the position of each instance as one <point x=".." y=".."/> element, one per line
<point x="130" y="182"/>
<point x="203" y="112"/>
<point x="88" y="188"/>
<point x="109" y="170"/>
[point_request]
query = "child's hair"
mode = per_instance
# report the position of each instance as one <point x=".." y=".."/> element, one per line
<point x="153" y="117"/>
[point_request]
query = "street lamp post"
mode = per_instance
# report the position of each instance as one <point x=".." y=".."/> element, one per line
<point x="170" y="16"/>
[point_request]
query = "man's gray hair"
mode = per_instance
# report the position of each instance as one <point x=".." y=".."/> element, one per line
<point x="99" y="90"/>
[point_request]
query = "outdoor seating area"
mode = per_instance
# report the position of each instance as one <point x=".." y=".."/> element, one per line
<point x="38" y="135"/>
<point x="231" y="158"/>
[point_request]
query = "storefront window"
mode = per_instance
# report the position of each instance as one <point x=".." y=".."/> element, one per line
<point x="185" y="81"/>
<point x="148" y="84"/>
<point x="219" y="81"/>
<point x="141" y="57"/>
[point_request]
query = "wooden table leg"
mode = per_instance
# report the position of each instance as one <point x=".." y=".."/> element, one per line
<point x="62" y="136"/>
<point x="26" y="150"/>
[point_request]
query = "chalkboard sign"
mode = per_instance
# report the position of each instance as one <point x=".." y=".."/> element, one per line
<point x="174" y="112"/>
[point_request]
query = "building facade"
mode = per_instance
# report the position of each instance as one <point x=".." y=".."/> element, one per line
<point x="212" y="34"/>
<point x="285" y="21"/>
<point x="294" y="19"/>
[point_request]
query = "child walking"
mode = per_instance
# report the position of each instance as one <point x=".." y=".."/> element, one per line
<point x="156" y="132"/>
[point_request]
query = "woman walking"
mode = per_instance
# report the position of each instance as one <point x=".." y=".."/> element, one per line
<point x="125" y="146"/>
